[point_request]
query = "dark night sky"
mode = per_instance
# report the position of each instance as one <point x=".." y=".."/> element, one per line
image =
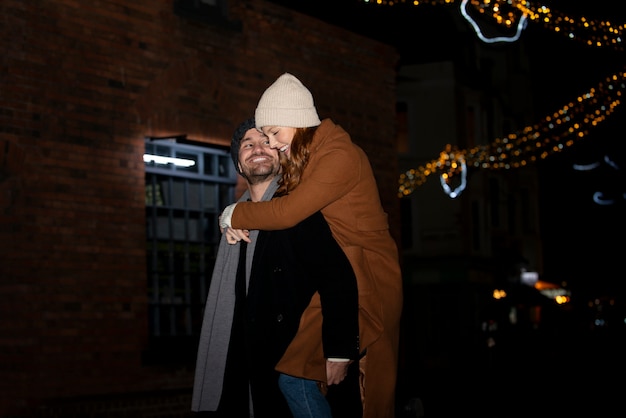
<point x="582" y="240"/>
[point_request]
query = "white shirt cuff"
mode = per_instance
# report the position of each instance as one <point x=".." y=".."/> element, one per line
<point x="226" y="216"/>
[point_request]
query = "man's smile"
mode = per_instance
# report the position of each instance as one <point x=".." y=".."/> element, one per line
<point x="259" y="159"/>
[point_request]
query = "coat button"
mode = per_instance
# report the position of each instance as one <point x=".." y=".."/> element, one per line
<point x="279" y="318"/>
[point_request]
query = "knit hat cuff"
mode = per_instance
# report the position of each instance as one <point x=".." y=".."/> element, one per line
<point x="295" y="118"/>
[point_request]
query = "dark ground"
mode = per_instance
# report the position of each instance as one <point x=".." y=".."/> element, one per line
<point x="566" y="371"/>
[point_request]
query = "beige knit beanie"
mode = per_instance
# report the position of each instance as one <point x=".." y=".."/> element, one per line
<point x="286" y="103"/>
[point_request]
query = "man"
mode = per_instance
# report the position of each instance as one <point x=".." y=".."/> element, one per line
<point x="257" y="295"/>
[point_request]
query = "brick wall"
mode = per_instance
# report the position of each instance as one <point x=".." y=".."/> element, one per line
<point x="81" y="85"/>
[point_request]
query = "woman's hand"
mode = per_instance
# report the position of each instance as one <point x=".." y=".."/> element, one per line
<point x="233" y="236"/>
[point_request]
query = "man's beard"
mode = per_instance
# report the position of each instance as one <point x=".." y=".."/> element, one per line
<point x="260" y="175"/>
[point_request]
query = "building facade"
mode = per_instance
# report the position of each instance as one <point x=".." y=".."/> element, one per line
<point x="104" y="256"/>
<point x="471" y="214"/>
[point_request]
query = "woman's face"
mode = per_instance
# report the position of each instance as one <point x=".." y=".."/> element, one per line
<point x="280" y="137"/>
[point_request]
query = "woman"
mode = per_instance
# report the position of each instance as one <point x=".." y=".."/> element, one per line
<point x="323" y="170"/>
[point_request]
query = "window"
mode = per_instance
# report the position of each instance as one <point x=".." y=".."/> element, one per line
<point x="187" y="186"/>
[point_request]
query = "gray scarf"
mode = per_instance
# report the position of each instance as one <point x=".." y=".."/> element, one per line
<point x="218" y="318"/>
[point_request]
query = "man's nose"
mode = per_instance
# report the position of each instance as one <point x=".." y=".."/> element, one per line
<point x="259" y="147"/>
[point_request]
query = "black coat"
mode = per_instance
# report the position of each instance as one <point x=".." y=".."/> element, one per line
<point x="289" y="266"/>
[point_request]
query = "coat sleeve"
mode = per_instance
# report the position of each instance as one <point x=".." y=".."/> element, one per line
<point x="331" y="173"/>
<point x="329" y="268"/>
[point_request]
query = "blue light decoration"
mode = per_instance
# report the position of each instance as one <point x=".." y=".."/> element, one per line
<point x="521" y="25"/>
<point x="457" y="165"/>
<point x="599" y="197"/>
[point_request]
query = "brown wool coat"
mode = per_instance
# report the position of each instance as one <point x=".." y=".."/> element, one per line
<point x="339" y="181"/>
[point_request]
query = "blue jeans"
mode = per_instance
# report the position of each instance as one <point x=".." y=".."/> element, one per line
<point x="304" y="397"/>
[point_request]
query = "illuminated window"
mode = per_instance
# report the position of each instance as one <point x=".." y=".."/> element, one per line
<point x="187" y="186"/>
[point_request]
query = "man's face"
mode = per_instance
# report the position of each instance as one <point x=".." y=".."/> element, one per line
<point x="257" y="160"/>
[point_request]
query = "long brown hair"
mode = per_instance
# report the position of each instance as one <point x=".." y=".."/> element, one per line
<point x="294" y="165"/>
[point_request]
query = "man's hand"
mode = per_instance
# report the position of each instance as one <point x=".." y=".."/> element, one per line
<point x="336" y="371"/>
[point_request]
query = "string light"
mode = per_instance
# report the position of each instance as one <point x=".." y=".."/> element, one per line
<point x="512" y="13"/>
<point x="557" y="131"/>
<point x="553" y="134"/>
